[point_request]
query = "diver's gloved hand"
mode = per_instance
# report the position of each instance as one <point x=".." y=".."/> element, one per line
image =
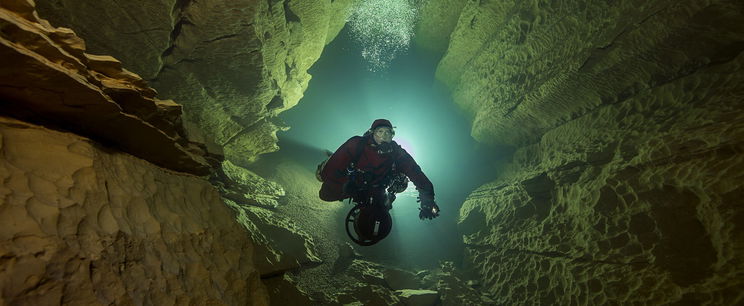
<point x="429" y="208"/>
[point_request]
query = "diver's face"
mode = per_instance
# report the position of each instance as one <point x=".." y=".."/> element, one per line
<point x="383" y="134"/>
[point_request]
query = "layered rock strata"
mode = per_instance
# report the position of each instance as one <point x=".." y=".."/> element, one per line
<point x="84" y="225"/>
<point x="234" y="65"/>
<point x="628" y="119"/>
<point x="48" y="78"/>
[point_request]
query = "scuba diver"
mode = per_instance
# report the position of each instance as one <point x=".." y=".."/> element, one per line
<point x="369" y="170"/>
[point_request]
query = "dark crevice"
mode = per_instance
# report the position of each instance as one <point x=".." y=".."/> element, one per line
<point x="272" y="3"/>
<point x="272" y="275"/>
<point x="180" y="6"/>
<point x="513" y="108"/>
<point x="289" y="15"/>
<point x="143" y="31"/>
<point x="178" y="10"/>
<point x="275" y="103"/>
<point x="228" y="36"/>
<point x="108" y="193"/>
<point x="174" y="35"/>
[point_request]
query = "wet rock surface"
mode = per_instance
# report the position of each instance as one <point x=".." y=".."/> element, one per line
<point x="233" y="65"/>
<point x="627" y="120"/>
<point x="245" y="187"/>
<point x="86" y="225"/>
<point x="626" y="117"/>
<point x="281" y="245"/>
<point x="343" y="276"/>
<point x="48" y="78"/>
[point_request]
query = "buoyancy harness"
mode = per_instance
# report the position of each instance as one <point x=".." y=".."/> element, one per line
<point x="369" y="221"/>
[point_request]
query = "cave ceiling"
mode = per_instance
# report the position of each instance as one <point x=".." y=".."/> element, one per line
<point x="233" y="65"/>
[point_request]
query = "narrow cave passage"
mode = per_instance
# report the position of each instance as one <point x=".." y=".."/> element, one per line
<point x="345" y="96"/>
<point x="135" y="144"/>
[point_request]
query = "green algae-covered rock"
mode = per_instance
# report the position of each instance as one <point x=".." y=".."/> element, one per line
<point x="233" y="65"/>
<point x="625" y="121"/>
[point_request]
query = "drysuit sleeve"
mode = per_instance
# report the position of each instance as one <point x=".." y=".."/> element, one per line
<point x="412" y="170"/>
<point x="335" y="168"/>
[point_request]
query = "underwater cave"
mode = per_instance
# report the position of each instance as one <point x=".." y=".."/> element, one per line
<point x="168" y="152"/>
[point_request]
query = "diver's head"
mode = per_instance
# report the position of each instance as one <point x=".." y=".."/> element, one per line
<point x="383" y="134"/>
<point x="382" y="131"/>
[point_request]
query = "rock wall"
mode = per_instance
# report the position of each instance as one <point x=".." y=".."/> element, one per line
<point x="628" y="121"/>
<point x="437" y="20"/>
<point x="86" y="225"/>
<point x="117" y="218"/>
<point x="48" y="77"/>
<point x="233" y="65"/>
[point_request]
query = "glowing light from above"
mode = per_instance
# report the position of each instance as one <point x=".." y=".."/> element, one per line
<point x="383" y="28"/>
<point x="406" y="145"/>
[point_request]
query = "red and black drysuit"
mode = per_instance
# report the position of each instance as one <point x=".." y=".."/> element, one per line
<point x="377" y="168"/>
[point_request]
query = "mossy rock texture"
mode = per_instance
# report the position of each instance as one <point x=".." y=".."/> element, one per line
<point x="626" y="117"/>
<point x="233" y="65"/>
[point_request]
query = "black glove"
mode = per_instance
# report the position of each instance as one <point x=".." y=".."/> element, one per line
<point x="429" y="208"/>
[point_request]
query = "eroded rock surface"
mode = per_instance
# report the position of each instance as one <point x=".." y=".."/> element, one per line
<point x="282" y="246"/>
<point x="47" y="77"/>
<point x="628" y="120"/>
<point x="234" y="65"/>
<point x="437" y="20"/>
<point x="84" y="225"/>
<point x="245" y="187"/>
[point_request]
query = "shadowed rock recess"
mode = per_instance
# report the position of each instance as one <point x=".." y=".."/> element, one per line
<point x="627" y="120"/>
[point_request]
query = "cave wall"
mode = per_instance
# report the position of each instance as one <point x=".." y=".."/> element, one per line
<point x="82" y="224"/>
<point x="104" y="196"/>
<point x="233" y="65"/>
<point x="628" y="119"/>
<point x="48" y="77"/>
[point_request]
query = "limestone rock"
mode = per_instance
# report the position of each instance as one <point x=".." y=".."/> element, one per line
<point x="245" y="187"/>
<point x="346" y="256"/>
<point x="365" y="294"/>
<point x="367" y="272"/>
<point x="85" y="225"/>
<point x="437" y="21"/>
<point x="280" y="245"/>
<point x="515" y="64"/>
<point x="46" y="77"/>
<point x="454" y="290"/>
<point x="628" y="130"/>
<point x="283" y="291"/>
<point x="428" y="279"/>
<point x="234" y="65"/>
<point x="398" y="279"/>
<point x="340" y="12"/>
<point x="412" y="297"/>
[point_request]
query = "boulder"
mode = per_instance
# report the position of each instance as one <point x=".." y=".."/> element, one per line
<point x="398" y="279"/>
<point x="281" y="245"/>
<point x="411" y="297"/>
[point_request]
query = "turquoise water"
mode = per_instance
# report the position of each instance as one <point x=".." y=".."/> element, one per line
<point x="342" y="100"/>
